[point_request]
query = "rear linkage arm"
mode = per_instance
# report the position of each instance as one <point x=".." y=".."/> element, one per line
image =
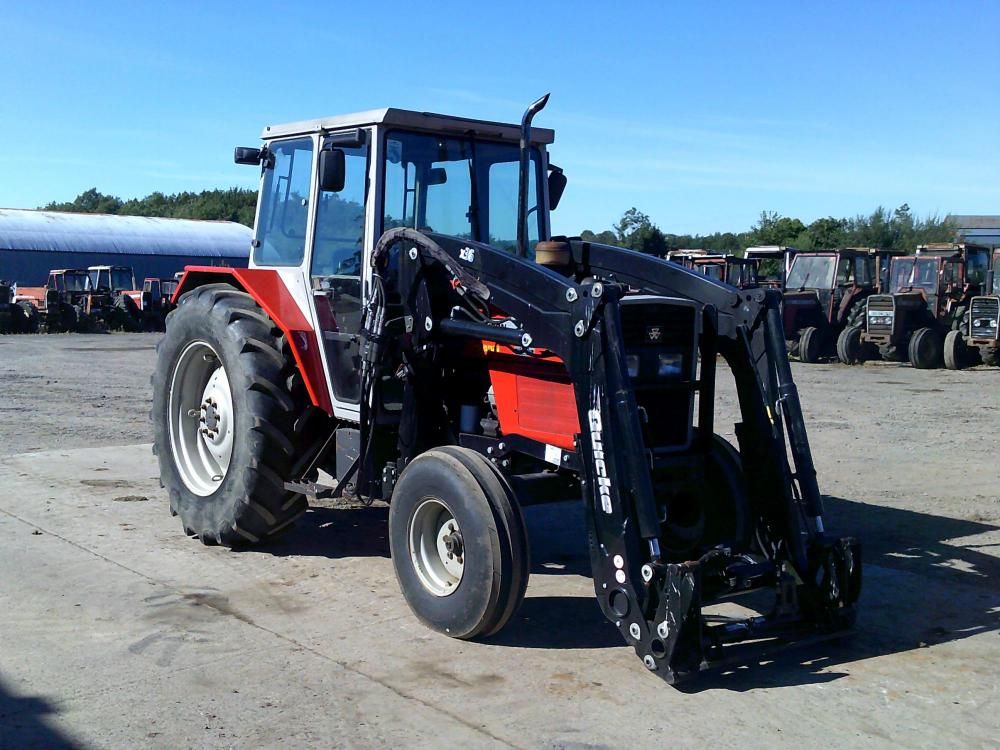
<point x="655" y="604"/>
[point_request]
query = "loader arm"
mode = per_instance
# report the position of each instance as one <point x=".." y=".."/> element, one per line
<point x="452" y="287"/>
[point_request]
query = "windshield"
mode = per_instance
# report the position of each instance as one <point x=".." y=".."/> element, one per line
<point x="284" y="204"/>
<point x="121" y="278"/>
<point x="917" y="273"/>
<point x="77" y="282"/>
<point x="976" y="263"/>
<point x="712" y="270"/>
<point x="458" y="186"/>
<point x="811" y="272"/>
<point x="741" y="274"/>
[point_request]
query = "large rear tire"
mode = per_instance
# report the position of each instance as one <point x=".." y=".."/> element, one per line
<point x="954" y="350"/>
<point x="223" y="419"/>
<point x="458" y="544"/>
<point x="926" y="349"/>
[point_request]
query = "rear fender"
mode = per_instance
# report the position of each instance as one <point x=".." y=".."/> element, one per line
<point x="269" y="291"/>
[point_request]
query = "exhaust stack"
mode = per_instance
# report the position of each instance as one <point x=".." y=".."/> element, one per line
<point x="522" y="188"/>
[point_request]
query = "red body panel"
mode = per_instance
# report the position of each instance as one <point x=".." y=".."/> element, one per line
<point x="269" y="291"/>
<point x="534" y="396"/>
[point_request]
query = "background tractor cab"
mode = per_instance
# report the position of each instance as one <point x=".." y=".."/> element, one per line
<point x="731" y="269"/>
<point x="977" y="337"/>
<point x="927" y="296"/>
<point x="773" y="263"/>
<point x="65" y="303"/>
<point x="125" y="302"/>
<point x="824" y="293"/>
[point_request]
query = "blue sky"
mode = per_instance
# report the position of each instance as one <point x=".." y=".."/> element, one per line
<point x="702" y="115"/>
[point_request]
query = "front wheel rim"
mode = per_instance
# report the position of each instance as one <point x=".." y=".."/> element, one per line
<point x="201" y="417"/>
<point x="437" y="548"/>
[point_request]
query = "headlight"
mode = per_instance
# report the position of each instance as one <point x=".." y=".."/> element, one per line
<point x="632" y="362"/>
<point x="671" y="365"/>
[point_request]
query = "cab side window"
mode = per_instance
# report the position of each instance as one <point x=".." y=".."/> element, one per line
<point x="340" y="220"/>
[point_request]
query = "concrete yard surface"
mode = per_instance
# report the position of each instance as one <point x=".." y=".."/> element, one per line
<point x="116" y="630"/>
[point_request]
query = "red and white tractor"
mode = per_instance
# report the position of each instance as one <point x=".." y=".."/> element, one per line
<point x="409" y="327"/>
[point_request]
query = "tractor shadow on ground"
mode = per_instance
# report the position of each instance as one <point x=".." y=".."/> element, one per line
<point x="23" y="724"/>
<point x="336" y="532"/>
<point x="924" y="585"/>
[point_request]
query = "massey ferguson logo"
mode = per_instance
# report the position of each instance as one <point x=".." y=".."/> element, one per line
<point x="654" y="333"/>
<point x="600" y="467"/>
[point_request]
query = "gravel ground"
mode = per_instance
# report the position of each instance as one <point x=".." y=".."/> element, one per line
<point x="74" y="390"/>
<point x="115" y="630"/>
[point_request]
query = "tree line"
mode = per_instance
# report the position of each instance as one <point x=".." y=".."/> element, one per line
<point x="897" y="230"/>
<point x="233" y="204"/>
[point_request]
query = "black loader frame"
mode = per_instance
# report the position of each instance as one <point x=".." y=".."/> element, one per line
<point x="654" y="599"/>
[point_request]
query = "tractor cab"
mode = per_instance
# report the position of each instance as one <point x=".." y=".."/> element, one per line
<point x="927" y="296"/>
<point x="330" y="187"/>
<point x="69" y="280"/>
<point x="154" y="288"/>
<point x="976" y="339"/>
<point x="824" y="293"/>
<point x="731" y="269"/>
<point x="773" y="263"/>
<point x="112" y="279"/>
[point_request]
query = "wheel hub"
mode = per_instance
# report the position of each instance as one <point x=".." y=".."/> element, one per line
<point x="437" y="547"/>
<point x="201" y="419"/>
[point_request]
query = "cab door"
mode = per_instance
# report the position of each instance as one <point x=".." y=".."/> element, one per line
<point x="337" y="267"/>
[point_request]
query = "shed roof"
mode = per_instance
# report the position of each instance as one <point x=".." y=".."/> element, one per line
<point x="56" y="231"/>
<point x="975" y="221"/>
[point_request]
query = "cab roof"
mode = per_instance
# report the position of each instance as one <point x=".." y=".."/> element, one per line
<point x="404" y="118"/>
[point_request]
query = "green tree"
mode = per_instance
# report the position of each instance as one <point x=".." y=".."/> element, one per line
<point x="607" y="237"/>
<point x="774" y="229"/>
<point x="233" y="204"/>
<point x="826" y="233"/>
<point x="631" y="222"/>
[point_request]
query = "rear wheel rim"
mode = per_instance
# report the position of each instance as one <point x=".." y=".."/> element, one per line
<point x="201" y="417"/>
<point x="437" y="548"/>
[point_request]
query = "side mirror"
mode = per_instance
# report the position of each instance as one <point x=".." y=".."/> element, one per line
<point x="332" y="170"/>
<point x="557" y="183"/>
<point x="437" y="176"/>
<point x="247" y="155"/>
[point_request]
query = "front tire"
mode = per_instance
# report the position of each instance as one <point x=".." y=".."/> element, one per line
<point x="223" y="420"/>
<point x="810" y="345"/>
<point x="458" y="544"/>
<point x="954" y="350"/>
<point x="926" y="349"/>
<point x="850" y="348"/>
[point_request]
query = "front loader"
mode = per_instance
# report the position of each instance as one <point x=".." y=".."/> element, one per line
<point x="409" y="328"/>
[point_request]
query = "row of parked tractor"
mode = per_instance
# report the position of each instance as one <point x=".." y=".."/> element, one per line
<point x="92" y="300"/>
<point x="937" y="307"/>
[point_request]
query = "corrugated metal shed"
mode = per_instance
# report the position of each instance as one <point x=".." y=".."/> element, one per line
<point x="53" y="231"/>
<point x="980" y="229"/>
